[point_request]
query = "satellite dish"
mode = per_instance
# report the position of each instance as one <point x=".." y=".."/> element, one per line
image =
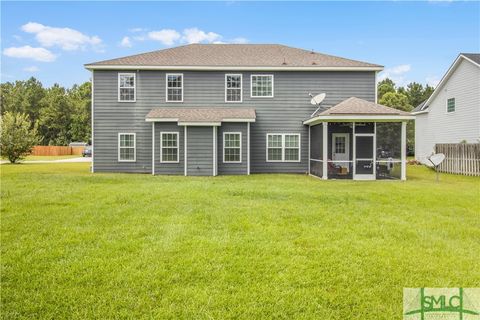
<point x="316" y="100"/>
<point x="436" y="159"/>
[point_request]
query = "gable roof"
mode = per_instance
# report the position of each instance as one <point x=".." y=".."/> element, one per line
<point x="228" y="56"/>
<point x="473" y="58"/>
<point x="201" y="115"/>
<point x="418" y="108"/>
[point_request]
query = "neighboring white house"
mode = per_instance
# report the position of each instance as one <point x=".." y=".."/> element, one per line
<point x="452" y="113"/>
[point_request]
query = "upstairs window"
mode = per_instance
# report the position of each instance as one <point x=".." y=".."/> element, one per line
<point x="174" y="87"/>
<point x="232" y="147"/>
<point x="283" y="147"/>
<point x="126" y="147"/>
<point x="169" y="147"/>
<point x="126" y="87"/>
<point x="233" y="88"/>
<point x="261" y="86"/>
<point x="451" y="105"/>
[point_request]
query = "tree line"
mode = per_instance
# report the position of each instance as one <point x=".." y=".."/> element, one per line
<point x="61" y="115"/>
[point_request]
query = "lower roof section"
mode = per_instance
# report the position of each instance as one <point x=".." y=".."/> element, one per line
<point x="355" y="109"/>
<point x="201" y="116"/>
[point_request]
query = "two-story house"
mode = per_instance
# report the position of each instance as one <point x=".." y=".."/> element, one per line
<point x="209" y="109"/>
<point x="452" y="113"/>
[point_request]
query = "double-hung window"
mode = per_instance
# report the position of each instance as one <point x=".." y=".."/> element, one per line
<point x="169" y="147"/>
<point x="233" y="88"/>
<point x="451" y="105"/>
<point x="126" y="87"/>
<point x="174" y="87"/>
<point x="232" y="147"/>
<point x="126" y="147"/>
<point x="283" y="147"/>
<point x="261" y="86"/>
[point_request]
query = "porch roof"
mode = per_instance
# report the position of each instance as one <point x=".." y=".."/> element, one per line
<point x="355" y="109"/>
<point x="201" y="116"/>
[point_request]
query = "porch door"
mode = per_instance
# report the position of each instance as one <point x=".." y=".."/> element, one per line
<point x="340" y="149"/>
<point x="364" y="157"/>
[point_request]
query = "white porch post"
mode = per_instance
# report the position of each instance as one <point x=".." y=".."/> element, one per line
<point x="153" y="148"/>
<point x="214" y="150"/>
<point x="185" y="149"/>
<point x="248" y="147"/>
<point x="404" y="151"/>
<point x="309" y="152"/>
<point x="325" y="150"/>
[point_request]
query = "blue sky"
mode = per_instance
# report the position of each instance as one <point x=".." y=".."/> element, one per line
<point x="415" y="41"/>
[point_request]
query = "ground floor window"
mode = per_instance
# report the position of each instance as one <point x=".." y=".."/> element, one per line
<point x="283" y="147"/>
<point x="126" y="147"/>
<point x="232" y="147"/>
<point x="168" y="147"/>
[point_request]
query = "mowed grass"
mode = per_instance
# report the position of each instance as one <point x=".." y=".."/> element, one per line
<point x="77" y="245"/>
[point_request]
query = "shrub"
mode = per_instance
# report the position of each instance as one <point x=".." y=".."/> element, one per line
<point x="17" y="136"/>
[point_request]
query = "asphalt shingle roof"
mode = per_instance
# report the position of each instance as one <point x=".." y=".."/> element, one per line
<point x="472" y="56"/>
<point x="356" y="106"/>
<point x="202" y="114"/>
<point x="234" y="55"/>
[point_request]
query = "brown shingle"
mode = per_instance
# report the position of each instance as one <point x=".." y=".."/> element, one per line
<point x="356" y="106"/>
<point x="234" y="55"/>
<point x="202" y="114"/>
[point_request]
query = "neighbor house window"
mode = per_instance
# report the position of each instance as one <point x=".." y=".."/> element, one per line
<point x="126" y="87"/>
<point x="169" y="147"/>
<point x="126" y="147"/>
<point x="451" y="105"/>
<point x="261" y="86"/>
<point x="232" y="147"/>
<point x="283" y="147"/>
<point x="174" y="87"/>
<point x="233" y="88"/>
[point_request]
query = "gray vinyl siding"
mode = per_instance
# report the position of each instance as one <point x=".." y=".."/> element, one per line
<point x="169" y="168"/>
<point x="199" y="151"/>
<point x="233" y="168"/>
<point x="283" y="113"/>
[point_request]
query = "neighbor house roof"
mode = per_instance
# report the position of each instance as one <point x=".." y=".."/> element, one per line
<point x="474" y="58"/>
<point x="355" y="108"/>
<point x="201" y="115"/>
<point x="227" y="56"/>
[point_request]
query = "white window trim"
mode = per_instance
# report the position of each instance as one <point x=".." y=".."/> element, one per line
<point x="134" y="86"/>
<point x="241" y="87"/>
<point x="223" y="142"/>
<point x="455" y="105"/>
<point x="166" y="86"/>
<point x="283" y="147"/>
<point x="161" y="146"/>
<point x="134" y="146"/>
<point x="251" y="86"/>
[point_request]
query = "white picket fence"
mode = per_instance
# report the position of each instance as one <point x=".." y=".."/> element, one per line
<point x="460" y="158"/>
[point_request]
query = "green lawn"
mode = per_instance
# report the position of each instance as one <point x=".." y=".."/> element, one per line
<point x="50" y="158"/>
<point x="77" y="245"/>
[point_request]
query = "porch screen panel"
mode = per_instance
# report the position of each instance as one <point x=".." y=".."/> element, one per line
<point x="364" y="154"/>
<point x="316" y="150"/>
<point x="389" y="150"/>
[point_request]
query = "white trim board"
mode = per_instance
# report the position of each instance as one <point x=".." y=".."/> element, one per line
<point x="226" y="68"/>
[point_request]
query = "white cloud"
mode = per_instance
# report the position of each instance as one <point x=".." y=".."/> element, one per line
<point x="432" y="81"/>
<point x="65" y="38"/>
<point x="27" y="52"/>
<point x="166" y="36"/>
<point x="31" y="69"/>
<point x="126" y="42"/>
<point x="239" y="40"/>
<point x="397" y="74"/>
<point x="195" y="35"/>
<point x="137" y="29"/>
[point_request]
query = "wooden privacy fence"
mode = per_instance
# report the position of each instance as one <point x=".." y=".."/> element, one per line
<point x="56" y="151"/>
<point x="460" y="158"/>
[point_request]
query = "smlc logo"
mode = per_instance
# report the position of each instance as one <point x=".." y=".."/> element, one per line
<point x="441" y="303"/>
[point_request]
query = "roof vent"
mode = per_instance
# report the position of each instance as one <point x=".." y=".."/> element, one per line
<point x="284" y="62"/>
<point x="312" y="52"/>
<point x="314" y="63"/>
